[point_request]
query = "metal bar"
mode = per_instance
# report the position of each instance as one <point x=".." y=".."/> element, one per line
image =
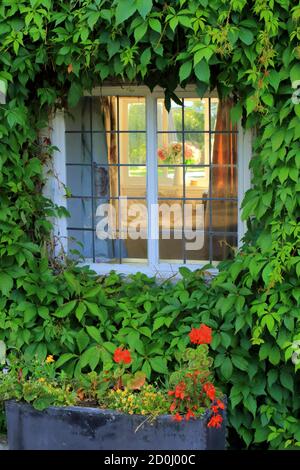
<point x="92" y="180"/>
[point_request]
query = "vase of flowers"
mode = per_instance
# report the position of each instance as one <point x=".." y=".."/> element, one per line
<point x="172" y="154"/>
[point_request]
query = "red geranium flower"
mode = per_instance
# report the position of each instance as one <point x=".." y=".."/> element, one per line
<point x="210" y="391"/>
<point x="220" y="405"/>
<point x="177" y="417"/>
<point x="189" y="415"/>
<point x="122" y="356"/>
<point x="179" y="390"/>
<point x="201" y="335"/>
<point x="215" y="421"/>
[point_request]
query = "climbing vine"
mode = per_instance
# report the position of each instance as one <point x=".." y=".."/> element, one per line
<point x="53" y="51"/>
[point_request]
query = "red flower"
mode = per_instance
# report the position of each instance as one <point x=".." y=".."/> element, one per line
<point x="215" y="421"/>
<point x="210" y="391"/>
<point x="173" y="406"/>
<point x="122" y="356"/>
<point x="162" y="154"/>
<point x="179" y="390"/>
<point x="177" y="417"/>
<point x="189" y="415"/>
<point x="220" y="404"/>
<point x="215" y="409"/>
<point x="201" y="335"/>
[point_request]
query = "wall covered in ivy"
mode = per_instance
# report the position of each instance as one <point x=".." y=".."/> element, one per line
<point x="53" y="50"/>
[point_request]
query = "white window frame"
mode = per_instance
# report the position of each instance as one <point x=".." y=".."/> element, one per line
<point x="57" y="182"/>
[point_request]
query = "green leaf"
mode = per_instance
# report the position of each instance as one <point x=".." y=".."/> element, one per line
<point x="144" y="7"/>
<point x="2" y="352"/>
<point x="239" y="362"/>
<point x="295" y="72"/>
<point x="274" y="356"/>
<point x="226" y="368"/>
<point x="202" y="71"/>
<point x="185" y="70"/>
<point x="236" y="113"/>
<point x="63" y="359"/>
<point x="82" y="340"/>
<point x="67" y="308"/>
<point x="246" y="36"/>
<point x="287" y="380"/>
<point x="277" y="139"/>
<point x="124" y="10"/>
<point x="94" y="333"/>
<point x="74" y="94"/>
<point x="250" y="404"/>
<point x="158" y="322"/>
<point x="6" y="283"/>
<point x="155" y="25"/>
<point x="80" y="311"/>
<point x="140" y="31"/>
<point x="159" y="364"/>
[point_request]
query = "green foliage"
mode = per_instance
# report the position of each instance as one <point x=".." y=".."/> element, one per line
<point x="50" y="53"/>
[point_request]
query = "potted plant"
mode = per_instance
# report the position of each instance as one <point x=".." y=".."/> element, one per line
<point x="115" y="409"/>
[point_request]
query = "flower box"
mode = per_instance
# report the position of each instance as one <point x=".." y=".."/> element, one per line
<point x="82" y="428"/>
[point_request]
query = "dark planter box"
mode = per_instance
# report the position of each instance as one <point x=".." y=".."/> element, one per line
<point x="74" y="428"/>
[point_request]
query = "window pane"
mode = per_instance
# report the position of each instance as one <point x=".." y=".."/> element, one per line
<point x="104" y="113"/>
<point x="105" y="181"/>
<point x="223" y="247"/>
<point x="108" y="248"/>
<point x="170" y="181"/>
<point x="79" y="117"/>
<point x="105" y="148"/>
<point x="171" y="231"/>
<point x="169" y="150"/>
<point x="169" y="122"/>
<point x="133" y="227"/>
<point x="224" y="181"/>
<point x="78" y="148"/>
<point x="196" y="148"/>
<point x="133" y="148"/>
<point x="197" y="250"/>
<point x="196" y="114"/>
<point x="220" y="115"/>
<point x="133" y="181"/>
<point x="132" y="113"/>
<point x="197" y="181"/>
<point x="224" y="216"/>
<point x="79" y="180"/>
<point x="80" y="212"/>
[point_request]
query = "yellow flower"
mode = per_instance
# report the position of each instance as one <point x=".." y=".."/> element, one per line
<point x="49" y="359"/>
<point x="42" y="379"/>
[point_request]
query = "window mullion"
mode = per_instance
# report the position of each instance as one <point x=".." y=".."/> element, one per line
<point x="152" y="180"/>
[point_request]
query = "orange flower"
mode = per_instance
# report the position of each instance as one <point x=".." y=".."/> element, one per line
<point x="215" y="421"/>
<point x="201" y="335"/>
<point x="122" y="356"/>
<point x="49" y="359"/>
<point x="177" y="417"/>
<point x="210" y="391"/>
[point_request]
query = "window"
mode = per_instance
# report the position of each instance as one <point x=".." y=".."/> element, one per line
<point x="150" y="190"/>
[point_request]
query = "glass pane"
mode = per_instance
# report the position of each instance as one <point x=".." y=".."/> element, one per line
<point x="78" y="148"/>
<point x="133" y="228"/>
<point x="169" y="122"/>
<point x="80" y="212"/>
<point x="171" y="231"/>
<point x="169" y="149"/>
<point x="105" y="181"/>
<point x="194" y="227"/>
<point x="223" y="247"/>
<point x="79" y="118"/>
<point x="196" y="148"/>
<point x="79" y="180"/>
<point x="197" y="181"/>
<point x="105" y="148"/>
<point x="224" y="149"/>
<point x="224" y="181"/>
<point x="107" y="246"/>
<point x="104" y="113"/>
<point x="170" y="182"/>
<point x="133" y="181"/>
<point x="196" y="114"/>
<point x="133" y="148"/>
<point x="82" y="242"/>
<point x="224" y="216"/>
<point x="197" y="250"/>
<point x="132" y="113"/>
